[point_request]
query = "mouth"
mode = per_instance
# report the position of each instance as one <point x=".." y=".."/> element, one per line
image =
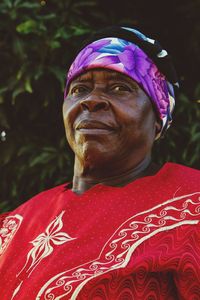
<point x="94" y="131"/>
<point x="93" y="127"/>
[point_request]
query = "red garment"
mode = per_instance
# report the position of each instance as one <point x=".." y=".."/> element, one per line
<point x="141" y="241"/>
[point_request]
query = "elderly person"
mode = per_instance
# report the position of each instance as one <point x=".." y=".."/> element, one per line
<point x="124" y="228"/>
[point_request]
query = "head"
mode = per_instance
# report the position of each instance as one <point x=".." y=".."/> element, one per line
<point x="117" y="102"/>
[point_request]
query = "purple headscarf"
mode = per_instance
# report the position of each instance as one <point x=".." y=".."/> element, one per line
<point x="125" y="57"/>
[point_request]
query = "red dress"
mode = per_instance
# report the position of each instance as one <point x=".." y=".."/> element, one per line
<point x="141" y="241"/>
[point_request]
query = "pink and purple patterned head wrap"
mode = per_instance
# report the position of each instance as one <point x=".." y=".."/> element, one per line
<point x="126" y="57"/>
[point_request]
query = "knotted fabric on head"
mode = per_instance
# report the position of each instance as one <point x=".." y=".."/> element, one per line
<point x="130" y="52"/>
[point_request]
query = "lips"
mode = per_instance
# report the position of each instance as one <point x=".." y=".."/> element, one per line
<point x="93" y="125"/>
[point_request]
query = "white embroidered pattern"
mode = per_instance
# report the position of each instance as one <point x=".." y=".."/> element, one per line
<point x="44" y="242"/>
<point x="10" y="226"/>
<point x="43" y="246"/>
<point x="117" y="251"/>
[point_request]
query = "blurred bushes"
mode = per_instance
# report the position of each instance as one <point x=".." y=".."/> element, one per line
<point x="37" y="43"/>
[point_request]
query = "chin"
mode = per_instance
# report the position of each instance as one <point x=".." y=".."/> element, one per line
<point x="94" y="153"/>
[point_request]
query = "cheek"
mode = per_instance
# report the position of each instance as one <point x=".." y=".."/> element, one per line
<point x="68" y="118"/>
<point x="131" y="115"/>
<point x="137" y="121"/>
<point x="141" y="113"/>
<point x="69" y="113"/>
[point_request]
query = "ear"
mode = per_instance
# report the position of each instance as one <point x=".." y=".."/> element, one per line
<point x="158" y="127"/>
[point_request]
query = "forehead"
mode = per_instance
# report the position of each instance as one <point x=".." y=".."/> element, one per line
<point x="102" y="74"/>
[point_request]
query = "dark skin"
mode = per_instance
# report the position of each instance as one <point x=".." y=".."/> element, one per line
<point x="111" y="127"/>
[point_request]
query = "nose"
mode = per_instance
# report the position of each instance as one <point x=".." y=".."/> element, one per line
<point x="94" y="103"/>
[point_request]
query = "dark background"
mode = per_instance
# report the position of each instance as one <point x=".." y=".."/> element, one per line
<point x="37" y="43"/>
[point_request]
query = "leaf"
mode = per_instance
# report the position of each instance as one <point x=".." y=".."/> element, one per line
<point x="38" y="72"/>
<point x="197" y="91"/>
<point x="196" y="137"/>
<point x="28" y="5"/>
<point x="18" y="47"/>
<point x="42" y="159"/>
<point x="46" y="17"/>
<point x="3" y="89"/>
<point x="63" y="33"/>
<point x="1" y="99"/>
<point x="3" y="119"/>
<point x="80" y="30"/>
<point x="17" y="2"/>
<point x="4" y="206"/>
<point x="8" y="3"/>
<point x="21" y="71"/>
<point x="17" y="92"/>
<point x="25" y="149"/>
<point x="28" y="86"/>
<point x="55" y="44"/>
<point x="49" y="149"/>
<point x="30" y="26"/>
<point x="9" y="153"/>
<point x="84" y="4"/>
<point x="26" y="27"/>
<point x="59" y="74"/>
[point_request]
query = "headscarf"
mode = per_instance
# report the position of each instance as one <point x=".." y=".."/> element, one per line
<point x="130" y="52"/>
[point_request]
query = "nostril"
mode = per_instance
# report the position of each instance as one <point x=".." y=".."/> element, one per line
<point x="84" y="106"/>
<point x="94" y="105"/>
<point x="101" y="106"/>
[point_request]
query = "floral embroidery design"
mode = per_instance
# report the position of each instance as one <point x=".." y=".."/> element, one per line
<point x="44" y="242"/>
<point x="43" y="246"/>
<point x="117" y="251"/>
<point x="10" y="226"/>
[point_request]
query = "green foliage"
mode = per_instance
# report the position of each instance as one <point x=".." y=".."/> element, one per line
<point x="37" y="43"/>
<point x="181" y="144"/>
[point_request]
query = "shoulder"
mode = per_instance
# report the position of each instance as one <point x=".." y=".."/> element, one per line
<point x="41" y="200"/>
<point x="182" y="175"/>
<point x="182" y="170"/>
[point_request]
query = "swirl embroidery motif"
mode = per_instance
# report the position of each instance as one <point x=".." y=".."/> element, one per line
<point x="10" y="226"/>
<point x="43" y="246"/>
<point x="118" y="249"/>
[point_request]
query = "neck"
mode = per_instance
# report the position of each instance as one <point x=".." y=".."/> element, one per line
<point x="85" y="180"/>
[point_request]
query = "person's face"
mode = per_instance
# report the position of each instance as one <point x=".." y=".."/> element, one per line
<point x="108" y="117"/>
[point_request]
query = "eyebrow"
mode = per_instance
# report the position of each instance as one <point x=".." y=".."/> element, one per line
<point x="129" y="80"/>
<point x="122" y="77"/>
<point x="79" y="79"/>
<point x="109" y="76"/>
<point x="114" y="76"/>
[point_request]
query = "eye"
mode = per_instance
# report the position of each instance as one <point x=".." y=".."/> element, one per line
<point x="78" y="90"/>
<point x="120" y="88"/>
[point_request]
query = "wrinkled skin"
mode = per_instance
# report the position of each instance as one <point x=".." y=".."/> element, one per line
<point x="111" y="127"/>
